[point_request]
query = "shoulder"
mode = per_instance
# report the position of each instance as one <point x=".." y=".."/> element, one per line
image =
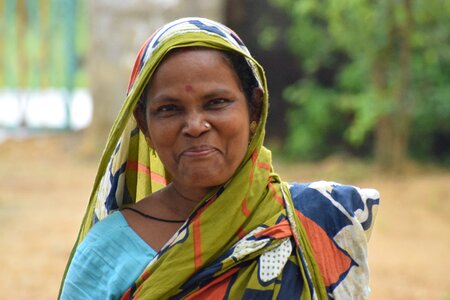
<point x="351" y="197"/>
<point x="112" y="238"/>
<point x="112" y="224"/>
<point x="338" y="220"/>
<point x="113" y="227"/>
<point x="327" y="201"/>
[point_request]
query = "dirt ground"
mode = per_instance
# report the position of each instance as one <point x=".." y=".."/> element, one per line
<point x="44" y="186"/>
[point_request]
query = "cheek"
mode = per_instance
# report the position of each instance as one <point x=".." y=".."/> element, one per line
<point x="162" y="136"/>
<point x="163" y="143"/>
<point x="238" y="133"/>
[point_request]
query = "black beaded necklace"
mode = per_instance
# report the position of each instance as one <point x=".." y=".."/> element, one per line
<point x="152" y="217"/>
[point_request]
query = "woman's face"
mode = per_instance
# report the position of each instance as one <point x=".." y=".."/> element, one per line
<point x="197" y="117"/>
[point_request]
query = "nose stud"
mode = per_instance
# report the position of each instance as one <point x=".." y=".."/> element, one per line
<point x="207" y="125"/>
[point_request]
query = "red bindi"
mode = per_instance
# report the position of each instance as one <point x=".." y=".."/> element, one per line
<point x="188" y="88"/>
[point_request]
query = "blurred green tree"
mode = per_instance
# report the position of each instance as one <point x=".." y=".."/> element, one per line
<point x="382" y="64"/>
<point x="42" y="44"/>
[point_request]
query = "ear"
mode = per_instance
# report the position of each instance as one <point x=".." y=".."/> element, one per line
<point x="141" y="119"/>
<point x="257" y="103"/>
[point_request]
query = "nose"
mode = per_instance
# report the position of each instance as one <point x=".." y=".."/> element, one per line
<point x="195" y="124"/>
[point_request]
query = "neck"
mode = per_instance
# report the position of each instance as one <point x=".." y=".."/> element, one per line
<point x="184" y="200"/>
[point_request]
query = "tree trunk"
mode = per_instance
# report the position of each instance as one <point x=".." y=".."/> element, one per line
<point x="392" y="131"/>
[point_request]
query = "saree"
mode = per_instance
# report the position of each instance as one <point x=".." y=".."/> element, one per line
<point x="242" y="241"/>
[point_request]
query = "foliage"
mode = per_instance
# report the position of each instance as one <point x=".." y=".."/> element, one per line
<point x="313" y="106"/>
<point x="343" y="46"/>
<point x="42" y="43"/>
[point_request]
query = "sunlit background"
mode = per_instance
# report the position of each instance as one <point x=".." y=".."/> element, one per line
<point x="359" y="93"/>
<point x="43" y="81"/>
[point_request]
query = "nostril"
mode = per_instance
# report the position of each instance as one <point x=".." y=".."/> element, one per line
<point x="196" y="127"/>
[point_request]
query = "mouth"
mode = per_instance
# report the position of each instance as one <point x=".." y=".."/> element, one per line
<point x="198" y="151"/>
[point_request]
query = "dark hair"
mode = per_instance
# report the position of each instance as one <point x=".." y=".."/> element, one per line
<point x="240" y="66"/>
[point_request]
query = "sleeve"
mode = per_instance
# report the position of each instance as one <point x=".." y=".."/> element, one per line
<point x="90" y="276"/>
<point x="82" y="282"/>
<point x="338" y="220"/>
<point x="100" y="268"/>
<point x="107" y="262"/>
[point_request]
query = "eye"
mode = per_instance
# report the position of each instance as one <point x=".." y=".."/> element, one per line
<point x="165" y="110"/>
<point x="217" y="103"/>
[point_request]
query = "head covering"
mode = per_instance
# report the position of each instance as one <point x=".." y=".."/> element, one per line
<point x="238" y="241"/>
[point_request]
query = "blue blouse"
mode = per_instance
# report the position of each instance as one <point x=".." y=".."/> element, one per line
<point x="122" y="258"/>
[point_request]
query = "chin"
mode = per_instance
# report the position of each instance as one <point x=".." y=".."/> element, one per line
<point x="205" y="179"/>
<point x="202" y="175"/>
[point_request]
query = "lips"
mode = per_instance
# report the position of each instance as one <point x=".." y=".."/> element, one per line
<point x="198" y="151"/>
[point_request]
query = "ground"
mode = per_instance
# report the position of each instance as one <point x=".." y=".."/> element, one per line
<point x="45" y="185"/>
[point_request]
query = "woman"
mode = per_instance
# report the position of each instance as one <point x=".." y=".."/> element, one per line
<point x="190" y="205"/>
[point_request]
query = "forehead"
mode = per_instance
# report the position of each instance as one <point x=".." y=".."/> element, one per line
<point x="183" y="63"/>
<point x="199" y="54"/>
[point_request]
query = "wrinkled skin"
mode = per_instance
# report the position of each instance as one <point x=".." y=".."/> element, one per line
<point x="192" y="87"/>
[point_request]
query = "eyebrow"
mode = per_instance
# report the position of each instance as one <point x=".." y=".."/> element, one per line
<point x="161" y="98"/>
<point x="218" y="92"/>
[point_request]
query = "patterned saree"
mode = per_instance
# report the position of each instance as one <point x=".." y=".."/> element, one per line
<point x="243" y="241"/>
